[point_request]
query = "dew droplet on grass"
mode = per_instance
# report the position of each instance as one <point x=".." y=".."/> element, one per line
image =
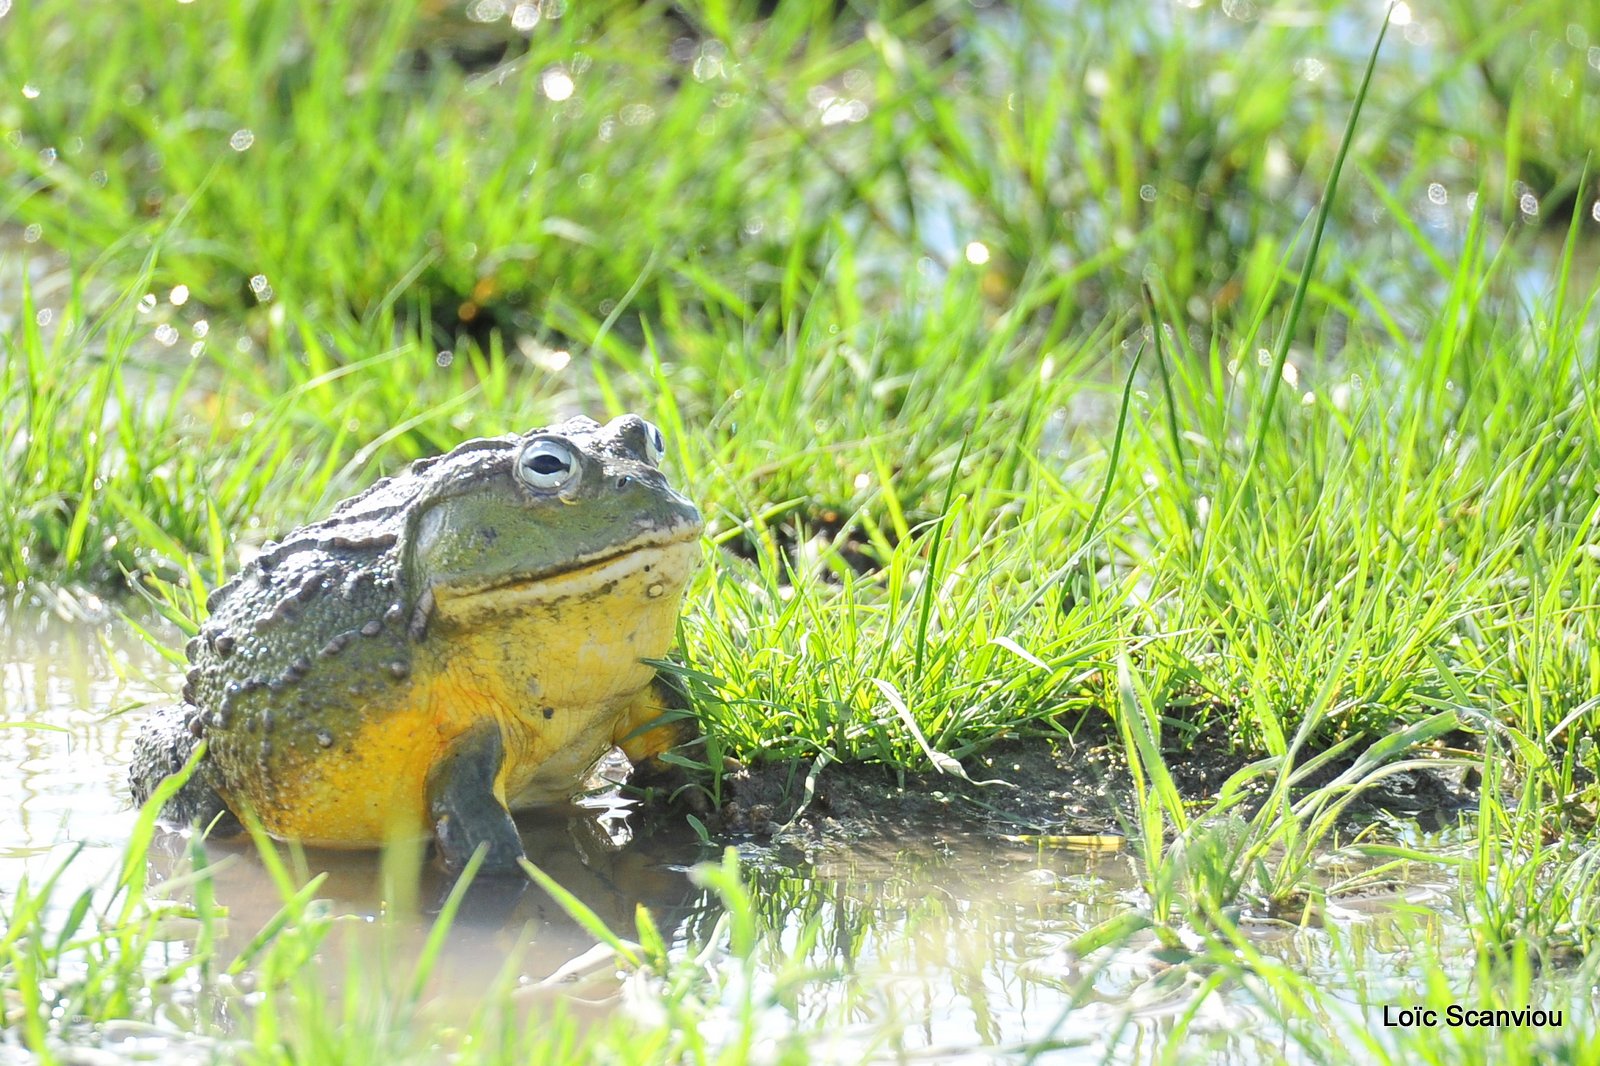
<point x="556" y="84"/>
<point x="524" y="17"/>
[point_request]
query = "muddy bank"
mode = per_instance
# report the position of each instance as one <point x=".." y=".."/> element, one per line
<point x="1078" y="785"/>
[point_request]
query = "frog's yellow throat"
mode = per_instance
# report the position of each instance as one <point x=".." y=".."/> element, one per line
<point x="554" y="661"/>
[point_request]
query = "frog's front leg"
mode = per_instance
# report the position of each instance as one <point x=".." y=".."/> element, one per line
<point x="657" y="721"/>
<point x="466" y="808"/>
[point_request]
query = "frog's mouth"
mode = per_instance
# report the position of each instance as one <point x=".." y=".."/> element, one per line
<point x="647" y="571"/>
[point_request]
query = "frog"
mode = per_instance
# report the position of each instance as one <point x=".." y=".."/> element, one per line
<point x="460" y="641"/>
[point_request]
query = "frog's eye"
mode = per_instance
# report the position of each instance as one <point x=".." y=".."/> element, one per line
<point x="548" y="464"/>
<point x="655" y="445"/>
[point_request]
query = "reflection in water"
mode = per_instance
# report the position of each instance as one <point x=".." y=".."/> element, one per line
<point x="934" y="946"/>
<point x="62" y="690"/>
<point x="595" y="850"/>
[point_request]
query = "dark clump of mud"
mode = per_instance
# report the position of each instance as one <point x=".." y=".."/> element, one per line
<point x="1078" y="785"/>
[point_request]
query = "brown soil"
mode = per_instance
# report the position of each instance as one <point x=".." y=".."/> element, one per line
<point x="1055" y="786"/>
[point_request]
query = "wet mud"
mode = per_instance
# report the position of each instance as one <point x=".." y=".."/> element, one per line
<point x="1059" y="786"/>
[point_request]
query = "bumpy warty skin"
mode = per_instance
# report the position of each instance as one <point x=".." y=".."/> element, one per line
<point x="315" y="626"/>
<point x="322" y="635"/>
<point x="262" y="665"/>
<point x="259" y="681"/>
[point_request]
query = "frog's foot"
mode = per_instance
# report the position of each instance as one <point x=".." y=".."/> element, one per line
<point x="465" y="809"/>
<point x="659" y="721"/>
<point x="165" y="742"/>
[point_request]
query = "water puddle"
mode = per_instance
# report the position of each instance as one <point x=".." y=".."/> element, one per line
<point x="64" y="688"/>
<point x="939" y="945"/>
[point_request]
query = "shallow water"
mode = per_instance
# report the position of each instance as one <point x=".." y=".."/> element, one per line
<point x="68" y="697"/>
<point x="938" y="945"/>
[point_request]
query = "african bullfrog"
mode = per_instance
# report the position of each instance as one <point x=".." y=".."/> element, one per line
<point x="457" y="642"/>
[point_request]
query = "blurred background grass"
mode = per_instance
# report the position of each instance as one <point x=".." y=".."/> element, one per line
<point x="860" y="263"/>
